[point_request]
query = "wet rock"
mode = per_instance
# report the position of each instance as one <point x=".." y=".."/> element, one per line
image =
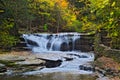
<point x="100" y="71"/>
<point x="52" y="63"/>
<point x="71" y="45"/>
<point x="86" y="68"/>
<point x="48" y="45"/>
<point x="30" y="42"/>
<point x="68" y="59"/>
<point x="84" y="48"/>
<point x="39" y="68"/>
<point x="79" y="56"/>
<point x="84" y="43"/>
<point x="2" y="68"/>
<point x="64" y="47"/>
<point x="109" y="71"/>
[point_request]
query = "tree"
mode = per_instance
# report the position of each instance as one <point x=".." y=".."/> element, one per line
<point x="96" y="15"/>
<point x="15" y="14"/>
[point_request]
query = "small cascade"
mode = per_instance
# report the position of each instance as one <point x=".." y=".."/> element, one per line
<point x="51" y="42"/>
<point x="59" y="47"/>
<point x="74" y="39"/>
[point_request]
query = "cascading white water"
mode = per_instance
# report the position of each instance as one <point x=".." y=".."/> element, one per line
<point x="51" y="42"/>
<point x="59" y="46"/>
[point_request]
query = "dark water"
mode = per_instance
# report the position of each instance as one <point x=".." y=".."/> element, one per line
<point x="52" y="76"/>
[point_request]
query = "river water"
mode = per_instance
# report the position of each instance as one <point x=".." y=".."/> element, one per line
<point x="51" y="76"/>
<point x="48" y="46"/>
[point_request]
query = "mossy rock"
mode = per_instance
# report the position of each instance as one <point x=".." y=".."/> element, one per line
<point x="8" y="63"/>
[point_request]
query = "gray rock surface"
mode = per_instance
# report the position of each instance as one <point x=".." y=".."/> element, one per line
<point x="11" y="57"/>
<point x="30" y="62"/>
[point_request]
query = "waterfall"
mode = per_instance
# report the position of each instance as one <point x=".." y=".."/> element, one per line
<point x="60" y="46"/>
<point x="74" y="39"/>
<point x="43" y="42"/>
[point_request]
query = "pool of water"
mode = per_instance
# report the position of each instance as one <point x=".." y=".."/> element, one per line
<point x="50" y="76"/>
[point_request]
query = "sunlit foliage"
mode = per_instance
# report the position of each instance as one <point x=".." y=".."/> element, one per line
<point x="32" y="16"/>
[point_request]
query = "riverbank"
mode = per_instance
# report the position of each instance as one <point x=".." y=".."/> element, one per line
<point x="108" y="67"/>
<point x="18" y="62"/>
<point x="107" y="59"/>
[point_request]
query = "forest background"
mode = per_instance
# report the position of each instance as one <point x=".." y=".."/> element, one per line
<point x="18" y="17"/>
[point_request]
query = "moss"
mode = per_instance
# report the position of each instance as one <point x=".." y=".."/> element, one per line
<point x="115" y="43"/>
<point x="98" y="63"/>
<point x="9" y="63"/>
<point x="102" y="50"/>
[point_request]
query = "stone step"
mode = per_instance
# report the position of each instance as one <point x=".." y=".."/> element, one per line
<point x="83" y="42"/>
<point x="84" y="48"/>
<point x="21" y="49"/>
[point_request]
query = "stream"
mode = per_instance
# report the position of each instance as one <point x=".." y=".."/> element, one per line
<point x="68" y="62"/>
<point x="52" y="76"/>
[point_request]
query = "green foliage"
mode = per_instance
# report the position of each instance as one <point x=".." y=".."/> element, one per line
<point x="55" y="13"/>
<point x="96" y="15"/>
<point x="7" y="40"/>
<point x="111" y="21"/>
<point x="45" y="27"/>
<point x="58" y="15"/>
<point x="74" y="26"/>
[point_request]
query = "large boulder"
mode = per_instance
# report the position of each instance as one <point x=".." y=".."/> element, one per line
<point x="51" y="63"/>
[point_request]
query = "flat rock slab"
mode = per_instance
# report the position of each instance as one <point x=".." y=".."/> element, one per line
<point x="11" y="57"/>
<point x="30" y="62"/>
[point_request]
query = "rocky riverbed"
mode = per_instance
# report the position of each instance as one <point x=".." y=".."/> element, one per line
<point x="25" y="62"/>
